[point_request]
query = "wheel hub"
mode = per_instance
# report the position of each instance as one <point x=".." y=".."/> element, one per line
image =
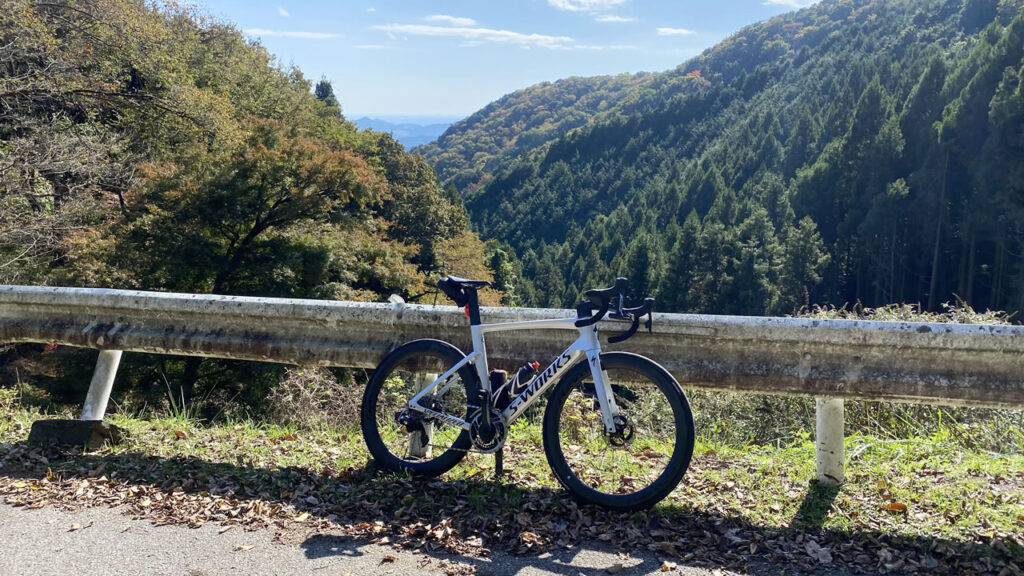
<point x="623" y="432"/>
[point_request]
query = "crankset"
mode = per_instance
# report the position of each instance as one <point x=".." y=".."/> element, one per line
<point x="488" y="438"/>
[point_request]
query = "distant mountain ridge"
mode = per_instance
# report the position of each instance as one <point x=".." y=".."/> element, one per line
<point x="474" y="147"/>
<point x="409" y="133"/>
<point x="855" y="151"/>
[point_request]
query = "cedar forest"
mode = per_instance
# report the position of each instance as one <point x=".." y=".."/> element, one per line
<point x="851" y="153"/>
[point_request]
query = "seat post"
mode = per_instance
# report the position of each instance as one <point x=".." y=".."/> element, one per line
<point x="473" y="306"/>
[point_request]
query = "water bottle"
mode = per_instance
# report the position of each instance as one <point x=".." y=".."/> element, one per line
<point x="503" y="391"/>
<point x="522" y="378"/>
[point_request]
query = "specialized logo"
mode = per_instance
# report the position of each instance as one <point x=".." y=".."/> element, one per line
<point x="540" y="382"/>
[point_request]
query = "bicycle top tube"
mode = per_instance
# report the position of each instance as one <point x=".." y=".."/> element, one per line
<point x="545" y="324"/>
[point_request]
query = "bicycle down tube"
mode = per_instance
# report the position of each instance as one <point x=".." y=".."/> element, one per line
<point x="585" y="346"/>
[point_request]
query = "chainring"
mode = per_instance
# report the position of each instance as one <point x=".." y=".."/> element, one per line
<point x="486" y="441"/>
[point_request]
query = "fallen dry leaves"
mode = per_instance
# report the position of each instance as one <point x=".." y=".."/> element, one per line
<point x="469" y="517"/>
<point x="894" y="507"/>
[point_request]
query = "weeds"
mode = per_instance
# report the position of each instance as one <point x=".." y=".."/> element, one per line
<point x="922" y="502"/>
<point x="941" y="489"/>
<point x="314" y="398"/>
<point x="738" y="420"/>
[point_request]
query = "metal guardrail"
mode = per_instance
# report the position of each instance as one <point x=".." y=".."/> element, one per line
<point x="972" y="365"/>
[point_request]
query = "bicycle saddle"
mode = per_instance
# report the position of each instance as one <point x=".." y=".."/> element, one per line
<point x="456" y="288"/>
<point x="464" y="283"/>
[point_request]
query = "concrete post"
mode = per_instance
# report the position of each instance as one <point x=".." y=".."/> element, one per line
<point x="102" y="382"/>
<point x="829" y="435"/>
<point x="419" y="444"/>
<point x="90" y="430"/>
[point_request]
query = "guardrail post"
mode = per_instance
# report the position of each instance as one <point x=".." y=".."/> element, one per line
<point x="829" y="435"/>
<point x="96" y="399"/>
<point x="419" y="444"/>
<point x="90" y="430"/>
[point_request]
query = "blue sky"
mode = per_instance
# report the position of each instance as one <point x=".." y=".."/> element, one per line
<point x="449" y="58"/>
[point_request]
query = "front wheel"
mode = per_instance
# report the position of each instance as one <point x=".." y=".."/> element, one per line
<point x="645" y="461"/>
<point x="404" y="440"/>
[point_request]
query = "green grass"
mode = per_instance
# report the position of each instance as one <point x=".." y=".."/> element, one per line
<point x="757" y="419"/>
<point x="257" y="445"/>
<point x="901" y="494"/>
<point x="934" y="489"/>
<point x="948" y="492"/>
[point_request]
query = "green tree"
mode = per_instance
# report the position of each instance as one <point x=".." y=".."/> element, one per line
<point x="506" y="278"/>
<point x="682" y="265"/>
<point x="145" y="145"/>
<point x="324" y="92"/>
<point x="804" y="259"/>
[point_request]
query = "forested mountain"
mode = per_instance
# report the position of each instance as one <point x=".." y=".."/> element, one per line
<point x="854" y="151"/>
<point x="145" y="146"/>
<point x="472" y="149"/>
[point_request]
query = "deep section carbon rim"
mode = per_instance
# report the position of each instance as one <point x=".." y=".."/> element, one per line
<point x="644" y="461"/>
<point x="406" y="440"/>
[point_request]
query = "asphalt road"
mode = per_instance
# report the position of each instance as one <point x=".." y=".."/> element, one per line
<point x="103" y="541"/>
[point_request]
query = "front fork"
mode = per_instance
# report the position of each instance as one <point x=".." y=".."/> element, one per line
<point x="603" y="389"/>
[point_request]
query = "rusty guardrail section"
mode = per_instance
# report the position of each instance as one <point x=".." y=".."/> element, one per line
<point x="973" y="365"/>
<point x="978" y="365"/>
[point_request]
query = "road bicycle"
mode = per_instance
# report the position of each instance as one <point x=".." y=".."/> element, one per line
<point x="617" y="429"/>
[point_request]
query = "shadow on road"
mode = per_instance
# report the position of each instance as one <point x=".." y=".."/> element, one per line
<point x="586" y="558"/>
<point x="339" y="509"/>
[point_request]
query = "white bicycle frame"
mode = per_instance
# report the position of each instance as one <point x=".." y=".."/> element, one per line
<point x="586" y="346"/>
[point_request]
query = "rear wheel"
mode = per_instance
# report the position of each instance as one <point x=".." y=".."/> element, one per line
<point x="647" y="457"/>
<point x="403" y="440"/>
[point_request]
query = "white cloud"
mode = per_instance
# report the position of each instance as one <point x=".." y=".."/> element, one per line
<point x="371" y="9"/>
<point x="674" y="32"/>
<point x="478" y="35"/>
<point x="790" y="3"/>
<point x="607" y="48"/>
<point x="289" y="33"/>
<point x="283" y="12"/>
<point x="584" y="5"/>
<point x="452" y="20"/>
<point x="611" y="18"/>
<point x="370" y="47"/>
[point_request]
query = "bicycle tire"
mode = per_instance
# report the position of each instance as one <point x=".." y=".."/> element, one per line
<point x="586" y="462"/>
<point x="393" y="384"/>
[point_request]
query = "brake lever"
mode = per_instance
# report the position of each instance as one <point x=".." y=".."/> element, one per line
<point x="590" y="321"/>
<point x="627" y="334"/>
<point x="620" y="314"/>
<point x="635" y="314"/>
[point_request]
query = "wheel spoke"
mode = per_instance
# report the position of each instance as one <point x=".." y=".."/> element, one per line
<point x="614" y="469"/>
